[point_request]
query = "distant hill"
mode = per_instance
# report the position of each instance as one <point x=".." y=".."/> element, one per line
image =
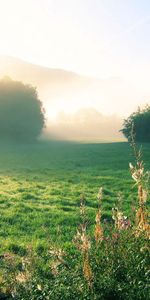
<point x="56" y="83"/>
<point x="108" y="95"/>
<point x="50" y="82"/>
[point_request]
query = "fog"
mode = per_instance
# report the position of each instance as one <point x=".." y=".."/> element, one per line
<point x="84" y="125"/>
<point x="76" y="106"/>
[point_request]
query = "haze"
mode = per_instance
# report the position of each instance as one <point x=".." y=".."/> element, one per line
<point x="101" y="50"/>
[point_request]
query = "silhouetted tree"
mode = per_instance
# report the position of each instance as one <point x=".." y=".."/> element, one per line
<point x="21" y="112"/>
<point x="141" y="122"/>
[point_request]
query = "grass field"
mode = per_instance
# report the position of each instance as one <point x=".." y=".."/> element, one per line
<point x="41" y="183"/>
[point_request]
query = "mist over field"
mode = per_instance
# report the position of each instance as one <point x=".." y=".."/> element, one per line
<point x="87" y="60"/>
<point x="76" y="106"/>
<point x="86" y="124"/>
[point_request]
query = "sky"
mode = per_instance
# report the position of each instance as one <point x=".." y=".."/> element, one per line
<point x="100" y="38"/>
<point x="97" y="38"/>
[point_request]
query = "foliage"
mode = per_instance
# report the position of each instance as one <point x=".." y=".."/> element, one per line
<point x="21" y="112"/>
<point x="141" y="122"/>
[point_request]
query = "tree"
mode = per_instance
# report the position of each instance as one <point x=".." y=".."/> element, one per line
<point x="141" y="122"/>
<point x="21" y="112"/>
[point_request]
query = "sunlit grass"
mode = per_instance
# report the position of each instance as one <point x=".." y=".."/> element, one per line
<point x="40" y="191"/>
<point x="40" y="186"/>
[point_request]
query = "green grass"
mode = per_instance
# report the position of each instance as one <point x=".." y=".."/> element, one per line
<point x="40" y="186"/>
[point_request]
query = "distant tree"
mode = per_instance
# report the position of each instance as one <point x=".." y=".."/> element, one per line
<point x="21" y="112"/>
<point x="141" y="122"/>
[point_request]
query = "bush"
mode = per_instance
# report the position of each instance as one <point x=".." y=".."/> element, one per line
<point x="141" y="122"/>
<point x="21" y="112"/>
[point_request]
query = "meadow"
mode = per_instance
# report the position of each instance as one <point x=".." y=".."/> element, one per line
<point x="40" y="188"/>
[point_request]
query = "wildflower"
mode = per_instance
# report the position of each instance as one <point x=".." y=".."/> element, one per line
<point x="121" y="221"/>
<point x="81" y="240"/>
<point x="126" y="224"/>
<point x="137" y="172"/>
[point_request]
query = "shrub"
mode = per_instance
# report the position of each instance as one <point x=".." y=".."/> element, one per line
<point x="141" y="121"/>
<point x="21" y="112"/>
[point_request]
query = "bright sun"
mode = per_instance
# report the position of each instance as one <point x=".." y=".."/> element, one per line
<point x="64" y="106"/>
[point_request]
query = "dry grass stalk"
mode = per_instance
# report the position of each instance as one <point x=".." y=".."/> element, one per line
<point x="87" y="272"/>
<point x="141" y="179"/>
<point x="83" y="243"/>
<point x="98" y="233"/>
<point x="142" y="225"/>
<point x="99" y="236"/>
<point x="139" y="176"/>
